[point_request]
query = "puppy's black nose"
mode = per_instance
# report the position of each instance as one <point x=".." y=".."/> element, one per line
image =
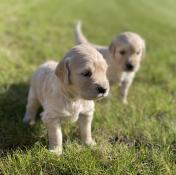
<point x="129" y="66"/>
<point x="101" y="90"/>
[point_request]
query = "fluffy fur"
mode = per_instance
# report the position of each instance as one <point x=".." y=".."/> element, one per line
<point x="66" y="92"/>
<point x="123" y="56"/>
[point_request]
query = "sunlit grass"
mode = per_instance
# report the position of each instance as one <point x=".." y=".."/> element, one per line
<point x="136" y="139"/>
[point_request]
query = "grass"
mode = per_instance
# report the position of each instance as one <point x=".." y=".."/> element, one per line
<point x="138" y="139"/>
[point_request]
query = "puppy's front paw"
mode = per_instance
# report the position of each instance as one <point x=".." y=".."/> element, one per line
<point x="90" y="142"/>
<point x="125" y="101"/>
<point x="57" y="151"/>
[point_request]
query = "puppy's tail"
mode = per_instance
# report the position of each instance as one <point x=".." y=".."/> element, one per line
<point x="80" y="38"/>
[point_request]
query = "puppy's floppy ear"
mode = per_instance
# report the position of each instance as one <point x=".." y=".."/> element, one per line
<point x="143" y="47"/>
<point x="112" y="48"/>
<point x="63" y="71"/>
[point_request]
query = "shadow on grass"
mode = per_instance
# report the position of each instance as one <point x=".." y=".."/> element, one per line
<point x="13" y="133"/>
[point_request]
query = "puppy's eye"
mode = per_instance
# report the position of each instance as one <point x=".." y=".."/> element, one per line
<point x="122" y="52"/>
<point x="87" y="73"/>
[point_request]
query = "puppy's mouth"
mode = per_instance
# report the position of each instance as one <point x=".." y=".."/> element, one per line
<point x="93" y="98"/>
<point x="96" y="97"/>
<point x="100" y="96"/>
<point x="126" y="70"/>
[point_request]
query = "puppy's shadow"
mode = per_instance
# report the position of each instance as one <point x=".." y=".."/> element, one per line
<point x="13" y="133"/>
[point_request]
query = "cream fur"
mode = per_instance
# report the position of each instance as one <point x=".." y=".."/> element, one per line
<point x="133" y="46"/>
<point x="66" y="94"/>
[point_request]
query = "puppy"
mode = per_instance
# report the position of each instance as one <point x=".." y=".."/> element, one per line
<point x="123" y="56"/>
<point x="66" y="92"/>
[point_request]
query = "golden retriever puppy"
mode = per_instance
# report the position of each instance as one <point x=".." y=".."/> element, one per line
<point x="66" y="92"/>
<point x="123" y="56"/>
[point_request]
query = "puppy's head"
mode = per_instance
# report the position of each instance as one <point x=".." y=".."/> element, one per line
<point x="127" y="51"/>
<point x="83" y="73"/>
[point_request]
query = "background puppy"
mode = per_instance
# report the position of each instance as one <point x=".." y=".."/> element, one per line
<point x="66" y="91"/>
<point x="123" y="55"/>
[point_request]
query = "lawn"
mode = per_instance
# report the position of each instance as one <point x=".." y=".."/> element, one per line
<point x="137" y="139"/>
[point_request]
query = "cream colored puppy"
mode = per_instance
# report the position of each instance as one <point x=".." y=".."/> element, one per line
<point x="123" y="55"/>
<point x="66" y="92"/>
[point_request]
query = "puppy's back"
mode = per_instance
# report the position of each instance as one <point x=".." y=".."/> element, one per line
<point x="42" y="79"/>
<point x="45" y="70"/>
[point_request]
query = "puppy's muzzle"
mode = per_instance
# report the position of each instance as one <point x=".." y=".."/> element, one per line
<point x="130" y="67"/>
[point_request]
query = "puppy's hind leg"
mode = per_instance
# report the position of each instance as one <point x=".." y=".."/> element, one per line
<point x="31" y="108"/>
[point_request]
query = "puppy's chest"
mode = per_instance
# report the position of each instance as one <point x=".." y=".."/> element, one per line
<point x="71" y="111"/>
